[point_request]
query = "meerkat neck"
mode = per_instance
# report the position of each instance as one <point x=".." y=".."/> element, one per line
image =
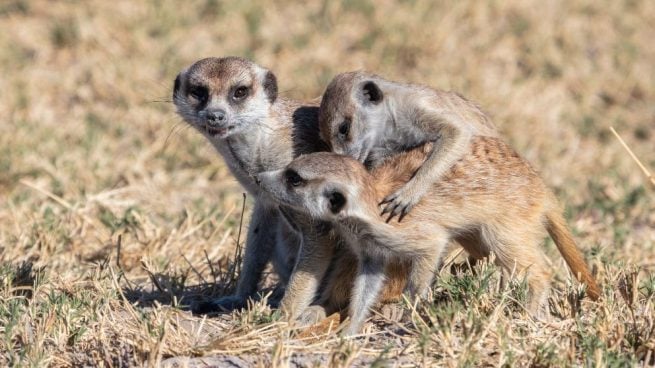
<point x="391" y="121"/>
<point x="397" y="114"/>
<point x="252" y="149"/>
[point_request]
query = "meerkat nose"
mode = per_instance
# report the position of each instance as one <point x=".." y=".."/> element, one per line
<point x="215" y="116"/>
<point x="257" y="180"/>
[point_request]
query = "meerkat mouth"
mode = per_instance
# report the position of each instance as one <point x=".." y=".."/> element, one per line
<point x="218" y="132"/>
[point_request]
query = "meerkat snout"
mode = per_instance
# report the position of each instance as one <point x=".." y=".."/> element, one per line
<point x="256" y="179"/>
<point x="214" y="117"/>
<point x="215" y="121"/>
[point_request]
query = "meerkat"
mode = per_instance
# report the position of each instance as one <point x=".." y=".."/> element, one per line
<point x="367" y="117"/>
<point x="234" y="103"/>
<point x="490" y="195"/>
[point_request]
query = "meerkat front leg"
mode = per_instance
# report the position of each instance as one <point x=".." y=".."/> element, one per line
<point x="314" y="258"/>
<point x="259" y="246"/>
<point x="451" y="141"/>
<point x="368" y="285"/>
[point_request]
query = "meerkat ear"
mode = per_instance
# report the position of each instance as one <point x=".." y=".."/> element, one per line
<point x="372" y="93"/>
<point x="270" y="86"/>
<point x="336" y="200"/>
<point x="177" y="85"/>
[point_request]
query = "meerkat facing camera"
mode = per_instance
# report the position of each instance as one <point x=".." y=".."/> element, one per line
<point x="367" y="117"/>
<point x="491" y="195"/>
<point x="234" y="103"/>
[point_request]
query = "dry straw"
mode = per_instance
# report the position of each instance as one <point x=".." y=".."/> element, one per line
<point x="634" y="157"/>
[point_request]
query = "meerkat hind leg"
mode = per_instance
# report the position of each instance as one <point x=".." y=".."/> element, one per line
<point x="519" y="252"/>
<point x="425" y="265"/>
<point x="473" y="245"/>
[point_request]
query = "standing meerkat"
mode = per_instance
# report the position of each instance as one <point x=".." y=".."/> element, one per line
<point x="234" y="103"/>
<point x="367" y="117"/>
<point x="491" y="195"/>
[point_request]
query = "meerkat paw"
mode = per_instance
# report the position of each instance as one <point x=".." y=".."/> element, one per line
<point x="402" y="201"/>
<point x="392" y="312"/>
<point x="540" y="313"/>
<point x="351" y="329"/>
<point x="312" y="315"/>
<point x="222" y="304"/>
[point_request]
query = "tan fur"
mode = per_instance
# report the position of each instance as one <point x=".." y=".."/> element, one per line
<point x="491" y="201"/>
<point x="462" y="191"/>
<point x="370" y="118"/>
<point x="264" y="132"/>
<point x="339" y="284"/>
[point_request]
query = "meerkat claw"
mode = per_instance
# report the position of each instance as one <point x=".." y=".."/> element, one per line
<point x="404" y="212"/>
<point x="391" y="209"/>
<point x="387" y="199"/>
<point x="388" y="208"/>
<point x="397" y="208"/>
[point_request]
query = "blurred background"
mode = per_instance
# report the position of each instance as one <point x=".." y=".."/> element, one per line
<point x="86" y="113"/>
<point x="91" y="148"/>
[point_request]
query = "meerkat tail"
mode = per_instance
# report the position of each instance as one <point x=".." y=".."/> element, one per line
<point x="558" y="230"/>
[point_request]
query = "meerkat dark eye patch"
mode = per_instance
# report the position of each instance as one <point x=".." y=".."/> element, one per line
<point x="293" y="179"/>
<point x="372" y="92"/>
<point x="337" y="201"/>
<point x="199" y="93"/>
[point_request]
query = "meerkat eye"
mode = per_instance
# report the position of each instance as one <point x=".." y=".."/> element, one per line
<point x="344" y="128"/>
<point x="199" y="93"/>
<point x="240" y="92"/>
<point x="293" y="179"/>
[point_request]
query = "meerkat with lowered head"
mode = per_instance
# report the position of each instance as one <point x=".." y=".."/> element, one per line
<point x="490" y="195"/>
<point x="234" y="103"/>
<point x="367" y="117"/>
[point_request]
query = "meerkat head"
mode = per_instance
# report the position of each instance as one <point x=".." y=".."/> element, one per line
<point x="352" y="114"/>
<point x="324" y="185"/>
<point x="224" y="96"/>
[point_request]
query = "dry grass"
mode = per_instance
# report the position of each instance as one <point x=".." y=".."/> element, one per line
<point x="113" y="215"/>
